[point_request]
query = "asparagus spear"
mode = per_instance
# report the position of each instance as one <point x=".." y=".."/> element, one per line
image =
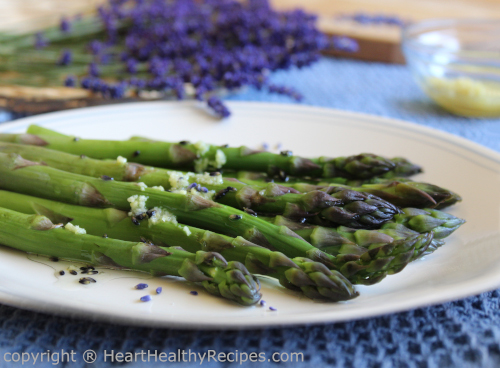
<point x="423" y="220"/>
<point x="22" y="176"/>
<point x="350" y="208"/>
<point x="346" y="240"/>
<point x="401" y="192"/>
<point x="300" y="274"/>
<point x="200" y="157"/>
<point x="37" y="234"/>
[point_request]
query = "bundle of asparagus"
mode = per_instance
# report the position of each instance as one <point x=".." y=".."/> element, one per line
<point x="333" y="224"/>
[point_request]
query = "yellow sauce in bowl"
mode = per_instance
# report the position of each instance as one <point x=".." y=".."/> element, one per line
<point x="465" y="96"/>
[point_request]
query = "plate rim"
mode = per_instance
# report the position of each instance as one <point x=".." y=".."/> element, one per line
<point x="287" y="320"/>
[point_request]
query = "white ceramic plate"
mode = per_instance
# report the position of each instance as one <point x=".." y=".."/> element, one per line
<point x="468" y="264"/>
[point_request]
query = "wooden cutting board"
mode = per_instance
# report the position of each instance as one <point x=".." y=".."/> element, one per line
<point x="382" y="42"/>
<point x="378" y="42"/>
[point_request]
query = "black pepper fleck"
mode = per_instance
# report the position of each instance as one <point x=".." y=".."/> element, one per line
<point x="61" y="273"/>
<point x="87" y="280"/>
<point x="150" y="213"/>
<point x="214" y="173"/>
<point x="250" y="211"/>
<point x="283" y="176"/>
<point x="235" y="217"/>
<point x="54" y="259"/>
<point x="76" y="139"/>
<point x="105" y="236"/>
<point x="183" y="143"/>
<point x="73" y="272"/>
<point x="221" y="193"/>
<point x="83" y="156"/>
<point x="136" y="153"/>
<point x="135" y="221"/>
<point x="106" y="178"/>
<point x="141" y="216"/>
<point x="286" y="153"/>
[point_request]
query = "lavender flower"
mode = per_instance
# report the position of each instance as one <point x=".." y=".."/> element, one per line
<point x="65" y="25"/>
<point x="213" y="45"/>
<point x="96" y="47"/>
<point x="343" y="43"/>
<point x="70" y="81"/>
<point x="94" y="70"/>
<point x="218" y="107"/>
<point x="66" y="58"/>
<point x="40" y="41"/>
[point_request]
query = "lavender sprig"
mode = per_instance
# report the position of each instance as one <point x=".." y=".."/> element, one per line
<point x="211" y="46"/>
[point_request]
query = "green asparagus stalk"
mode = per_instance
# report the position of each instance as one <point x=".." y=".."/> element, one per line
<point x="351" y="208"/>
<point x="37" y="234"/>
<point x="200" y="157"/>
<point x="401" y="192"/>
<point x="346" y="240"/>
<point x="22" y="176"/>
<point x="300" y="274"/>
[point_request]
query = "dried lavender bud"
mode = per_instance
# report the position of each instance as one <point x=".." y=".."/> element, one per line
<point x="193" y="292"/>
<point x="141" y="286"/>
<point x="146" y="298"/>
<point x="159" y="290"/>
<point x="272" y="309"/>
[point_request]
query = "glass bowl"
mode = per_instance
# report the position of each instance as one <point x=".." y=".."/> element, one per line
<point x="457" y="63"/>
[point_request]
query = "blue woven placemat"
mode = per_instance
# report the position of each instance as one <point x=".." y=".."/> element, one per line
<point x="464" y="333"/>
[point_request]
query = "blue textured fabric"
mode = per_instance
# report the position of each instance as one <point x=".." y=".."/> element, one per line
<point x="464" y="333"/>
